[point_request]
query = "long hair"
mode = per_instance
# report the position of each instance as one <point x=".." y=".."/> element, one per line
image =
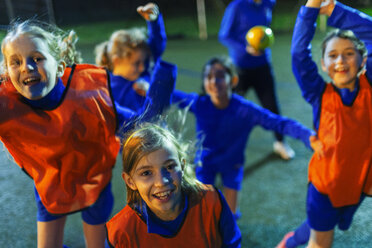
<point x="147" y="138"/>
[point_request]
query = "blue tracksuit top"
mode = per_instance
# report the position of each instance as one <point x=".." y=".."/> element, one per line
<point x="224" y="133"/>
<point x="122" y="89"/>
<point x="305" y="69"/>
<point x="239" y="17"/>
<point x="158" y="97"/>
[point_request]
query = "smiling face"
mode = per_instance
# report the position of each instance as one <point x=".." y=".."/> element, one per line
<point x="157" y="178"/>
<point x="31" y="68"/>
<point x="131" y="66"/>
<point x="217" y="84"/>
<point x="342" y="62"/>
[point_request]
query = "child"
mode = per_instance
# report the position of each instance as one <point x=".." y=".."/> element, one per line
<point x="127" y="55"/>
<point x="254" y="67"/>
<point x="167" y="207"/>
<point x="59" y="125"/>
<point x="338" y="180"/>
<point x="224" y="121"/>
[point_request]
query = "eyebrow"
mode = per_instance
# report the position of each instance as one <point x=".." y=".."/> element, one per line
<point x="146" y="167"/>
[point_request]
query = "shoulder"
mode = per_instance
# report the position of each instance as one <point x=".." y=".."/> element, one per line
<point x="208" y="196"/>
<point x="125" y="218"/>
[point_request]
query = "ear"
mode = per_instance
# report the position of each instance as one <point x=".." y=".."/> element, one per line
<point x="61" y="68"/>
<point x="129" y="181"/>
<point x="324" y="68"/>
<point x="234" y="81"/>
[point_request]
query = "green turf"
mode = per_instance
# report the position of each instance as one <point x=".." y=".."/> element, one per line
<point x="273" y="195"/>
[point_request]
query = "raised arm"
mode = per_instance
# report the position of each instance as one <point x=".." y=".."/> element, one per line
<point x="157" y="38"/>
<point x="304" y="68"/>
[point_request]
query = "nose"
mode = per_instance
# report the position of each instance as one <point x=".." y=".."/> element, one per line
<point x="340" y="59"/>
<point x="29" y="66"/>
<point x="163" y="178"/>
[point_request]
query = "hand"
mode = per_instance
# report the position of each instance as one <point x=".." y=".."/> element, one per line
<point x="317" y="146"/>
<point x="149" y="12"/>
<point x="253" y="51"/>
<point x="327" y="7"/>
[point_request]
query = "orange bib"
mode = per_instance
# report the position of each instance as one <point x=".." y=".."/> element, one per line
<point x="346" y="132"/>
<point x="199" y="229"/>
<point x="68" y="151"/>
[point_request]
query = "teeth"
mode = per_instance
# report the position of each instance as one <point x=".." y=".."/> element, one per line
<point x="162" y="194"/>
<point x="28" y="80"/>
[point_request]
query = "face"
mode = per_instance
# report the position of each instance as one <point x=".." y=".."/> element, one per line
<point x="31" y="68"/>
<point x="130" y="67"/>
<point x="342" y="62"/>
<point x="217" y="83"/>
<point x="157" y="177"/>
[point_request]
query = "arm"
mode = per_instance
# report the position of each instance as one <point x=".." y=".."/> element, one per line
<point x="184" y="100"/>
<point x="156" y="31"/>
<point x="227" y="34"/>
<point x="158" y="97"/>
<point x="231" y="236"/>
<point x="344" y="17"/>
<point x="281" y="124"/>
<point x="304" y="68"/>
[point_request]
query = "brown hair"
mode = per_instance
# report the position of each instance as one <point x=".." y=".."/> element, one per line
<point x="345" y="34"/>
<point x="147" y="138"/>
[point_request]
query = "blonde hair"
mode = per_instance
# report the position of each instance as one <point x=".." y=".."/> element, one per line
<point x="121" y="43"/>
<point x="147" y="138"/>
<point x="60" y="43"/>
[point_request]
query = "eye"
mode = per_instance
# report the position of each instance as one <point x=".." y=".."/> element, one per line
<point x="14" y="62"/>
<point x="171" y="166"/>
<point x="146" y="173"/>
<point x="38" y="58"/>
<point x="332" y="55"/>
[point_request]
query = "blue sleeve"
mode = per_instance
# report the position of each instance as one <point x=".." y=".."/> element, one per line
<point x="158" y="97"/>
<point x="344" y="17"/>
<point x="231" y="236"/>
<point x="227" y="35"/>
<point x="184" y="100"/>
<point x="281" y="124"/>
<point x="304" y="68"/>
<point x="157" y="37"/>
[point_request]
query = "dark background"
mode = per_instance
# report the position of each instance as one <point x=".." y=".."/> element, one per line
<point x="79" y="11"/>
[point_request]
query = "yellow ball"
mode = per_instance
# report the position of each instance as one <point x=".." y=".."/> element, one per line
<point x="260" y="37"/>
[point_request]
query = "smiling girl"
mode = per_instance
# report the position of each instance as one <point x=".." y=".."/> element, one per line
<point x="167" y="207"/>
<point x="339" y="180"/>
<point x="59" y="123"/>
<point x="224" y="121"/>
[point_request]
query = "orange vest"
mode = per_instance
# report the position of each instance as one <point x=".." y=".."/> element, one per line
<point x="199" y="229"/>
<point x="346" y="132"/>
<point x="68" y="151"/>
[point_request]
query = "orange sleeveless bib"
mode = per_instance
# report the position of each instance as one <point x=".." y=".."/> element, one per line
<point x="68" y="151"/>
<point x="200" y="227"/>
<point x="346" y="132"/>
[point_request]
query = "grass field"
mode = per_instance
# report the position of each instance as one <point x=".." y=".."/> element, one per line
<point x="273" y="195"/>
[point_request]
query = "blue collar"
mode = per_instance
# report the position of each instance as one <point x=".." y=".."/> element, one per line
<point x="51" y="100"/>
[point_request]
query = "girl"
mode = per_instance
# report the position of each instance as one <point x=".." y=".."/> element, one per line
<point x="254" y="67"/>
<point x="224" y="121"/>
<point x="127" y="55"/>
<point x="167" y="207"/>
<point x="59" y="125"/>
<point x="339" y="180"/>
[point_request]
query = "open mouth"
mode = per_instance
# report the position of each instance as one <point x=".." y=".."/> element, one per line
<point x="163" y="196"/>
<point x="31" y="81"/>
